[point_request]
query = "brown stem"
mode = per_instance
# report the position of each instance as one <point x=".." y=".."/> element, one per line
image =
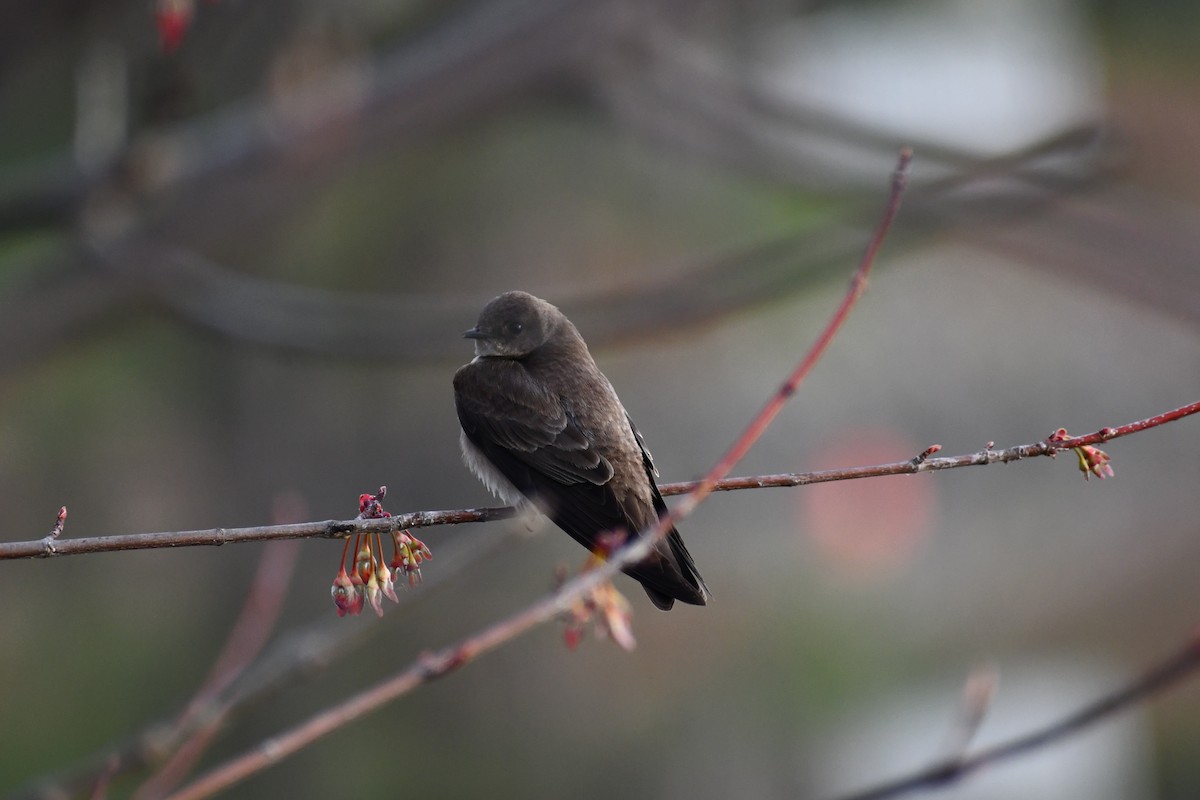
<point x="264" y="602"/>
<point x="333" y="529"/>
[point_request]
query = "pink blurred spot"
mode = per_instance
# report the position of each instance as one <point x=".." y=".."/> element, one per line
<point x="871" y="527"/>
<point x="172" y="18"/>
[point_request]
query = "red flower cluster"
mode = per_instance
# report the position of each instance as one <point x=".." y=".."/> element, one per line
<point x="604" y="606"/>
<point x="172" y="18"/>
<point x="370" y="579"/>
<point x="1092" y="460"/>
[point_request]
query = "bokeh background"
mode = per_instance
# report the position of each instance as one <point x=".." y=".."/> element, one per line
<point x="234" y="273"/>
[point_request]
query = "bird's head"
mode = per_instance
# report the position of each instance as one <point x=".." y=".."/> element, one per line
<point x="513" y="325"/>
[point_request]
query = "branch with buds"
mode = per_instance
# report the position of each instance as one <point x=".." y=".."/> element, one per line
<point x="1092" y="461"/>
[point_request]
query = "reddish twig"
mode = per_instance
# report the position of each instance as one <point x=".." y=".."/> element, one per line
<point x="301" y="654"/>
<point x="435" y="665"/>
<point x="334" y="529"/>
<point x="246" y="640"/>
<point x="974" y="703"/>
<point x="1162" y="676"/>
<point x="99" y="789"/>
<point x="924" y="463"/>
<point x="858" y="285"/>
<point x="48" y="541"/>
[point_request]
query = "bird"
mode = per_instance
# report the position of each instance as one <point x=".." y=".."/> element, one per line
<point x="541" y="424"/>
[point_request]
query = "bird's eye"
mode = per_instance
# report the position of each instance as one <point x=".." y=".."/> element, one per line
<point x="514" y="328"/>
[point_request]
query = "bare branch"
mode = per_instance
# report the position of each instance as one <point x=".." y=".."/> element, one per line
<point x="976" y="700"/>
<point x="264" y="602"/>
<point x="334" y="529"/>
<point x="1173" y="669"/>
<point x="300" y="655"/>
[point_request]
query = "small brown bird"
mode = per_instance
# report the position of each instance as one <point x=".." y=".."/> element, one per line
<point x="541" y="422"/>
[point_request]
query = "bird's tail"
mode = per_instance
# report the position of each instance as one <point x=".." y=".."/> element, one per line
<point x="670" y="574"/>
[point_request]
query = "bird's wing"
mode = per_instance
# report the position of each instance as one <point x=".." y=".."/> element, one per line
<point x="509" y="417"/>
<point x="647" y="459"/>
<point x="676" y="576"/>
<point x="534" y="441"/>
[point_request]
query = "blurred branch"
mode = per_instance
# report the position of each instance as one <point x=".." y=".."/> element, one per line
<point x="471" y="61"/>
<point x="678" y="88"/>
<point x="974" y="703"/>
<point x="191" y="734"/>
<point x="1175" y="668"/>
<point x="299" y="655"/>
<point x="684" y="92"/>
<point x="476" y="58"/>
<point x="70" y="302"/>
<point x="1091" y="241"/>
<point x="417" y="327"/>
<point x="332" y="529"/>
<point x="1107" y="231"/>
<point x="420" y="327"/>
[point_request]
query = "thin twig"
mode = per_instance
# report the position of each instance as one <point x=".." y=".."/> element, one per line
<point x="301" y="654"/>
<point x="923" y="463"/>
<point x="327" y="529"/>
<point x="334" y="529"/>
<point x="435" y="665"/>
<point x="974" y="703"/>
<point x="1160" y="677"/>
<point x="249" y="635"/>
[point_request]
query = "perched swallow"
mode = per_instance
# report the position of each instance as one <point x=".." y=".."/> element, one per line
<point x="541" y="422"/>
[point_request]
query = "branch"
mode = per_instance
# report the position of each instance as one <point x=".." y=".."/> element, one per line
<point x="465" y="64"/>
<point x="1172" y="670"/>
<point x="1049" y="446"/>
<point x="299" y="655"/>
<point x="406" y="328"/>
<point x="334" y="529"/>
<point x="191" y="734"/>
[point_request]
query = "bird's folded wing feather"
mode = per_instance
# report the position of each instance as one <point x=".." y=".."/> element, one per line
<point x="510" y="417"/>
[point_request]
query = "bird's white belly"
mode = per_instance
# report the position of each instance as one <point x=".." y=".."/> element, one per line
<point x="491" y="477"/>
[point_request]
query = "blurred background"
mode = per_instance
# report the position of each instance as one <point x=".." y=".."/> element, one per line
<point x="239" y="243"/>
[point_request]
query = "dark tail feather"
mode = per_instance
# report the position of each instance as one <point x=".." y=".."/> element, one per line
<point x="670" y="574"/>
<point x="661" y="601"/>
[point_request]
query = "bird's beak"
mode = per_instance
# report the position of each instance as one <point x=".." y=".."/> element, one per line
<point x="475" y="333"/>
